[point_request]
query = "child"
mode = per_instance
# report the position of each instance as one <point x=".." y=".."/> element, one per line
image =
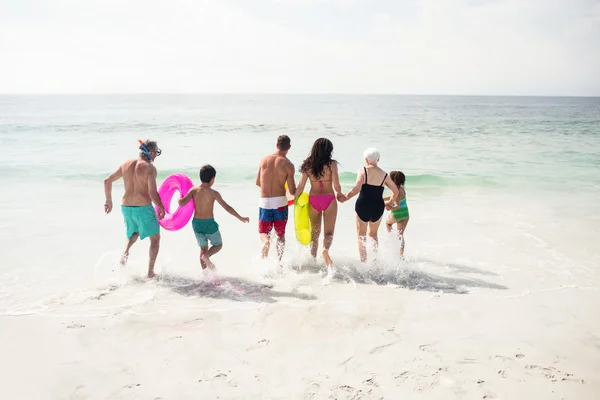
<point x="205" y="227"/>
<point x="399" y="214"/>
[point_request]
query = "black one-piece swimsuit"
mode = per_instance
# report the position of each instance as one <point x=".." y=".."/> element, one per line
<point x="370" y="205"/>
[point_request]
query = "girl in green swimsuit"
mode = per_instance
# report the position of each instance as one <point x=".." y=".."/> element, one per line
<point x="399" y="212"/>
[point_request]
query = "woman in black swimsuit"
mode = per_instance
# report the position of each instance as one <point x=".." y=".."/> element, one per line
<point x="370" y="205"/>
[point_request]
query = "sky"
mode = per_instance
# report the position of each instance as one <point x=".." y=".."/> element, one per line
<point x="456" y="47"/>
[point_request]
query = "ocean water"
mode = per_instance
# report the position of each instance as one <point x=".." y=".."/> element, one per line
<point x="507" y="185"/>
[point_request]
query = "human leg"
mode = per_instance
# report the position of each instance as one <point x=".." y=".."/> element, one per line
<point x="373" y="229"/>
<point x="280" y="217"/>
<point x="389" y="222"/>
<point x="141" y="222"/>
<point x="329" y="219"/>
<point x="203" y="251"/>
<point x="216" y="243"/>
<point x="153" y="254"/>
<point x="130" y="241"/>
<point x="315" y="223"/>
<point x="265" y="225"/>
<point x="401" y="228"/>
<point x="361" y="230"/>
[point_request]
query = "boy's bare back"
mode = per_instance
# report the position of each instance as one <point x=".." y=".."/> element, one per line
<point x="204" y="202"/>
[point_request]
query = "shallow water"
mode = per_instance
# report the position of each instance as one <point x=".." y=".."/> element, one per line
<point x="495" y="185"/>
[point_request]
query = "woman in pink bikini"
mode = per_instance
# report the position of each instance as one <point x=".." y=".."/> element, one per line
<point x="322" y="171"/>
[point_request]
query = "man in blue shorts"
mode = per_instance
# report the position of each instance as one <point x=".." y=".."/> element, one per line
<point x="139" y="177"/>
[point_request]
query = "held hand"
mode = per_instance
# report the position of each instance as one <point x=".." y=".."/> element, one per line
<point x="161" y="212"/>
<point x="108" y="206"/>
<point x="245" y="220"/>
<point x="389" y="205"/>
<point x="342" y="197"/>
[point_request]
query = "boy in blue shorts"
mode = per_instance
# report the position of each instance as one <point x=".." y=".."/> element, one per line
<point x="205" y="227"/>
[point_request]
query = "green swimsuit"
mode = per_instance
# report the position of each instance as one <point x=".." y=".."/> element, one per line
<point x="402" y="213"/>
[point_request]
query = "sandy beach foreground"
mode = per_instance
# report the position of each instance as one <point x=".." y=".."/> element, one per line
<point x="451" y="333"/>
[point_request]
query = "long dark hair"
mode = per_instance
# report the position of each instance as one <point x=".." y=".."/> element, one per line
<point x="318" y="158"/>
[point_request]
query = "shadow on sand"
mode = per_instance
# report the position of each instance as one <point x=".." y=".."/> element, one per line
<point x="231" y="288"/>
<point x="409" y="275"/>
<point x="457" y="268"/>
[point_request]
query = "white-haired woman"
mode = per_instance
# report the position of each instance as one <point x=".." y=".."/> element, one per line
<point x="370" y="205"/>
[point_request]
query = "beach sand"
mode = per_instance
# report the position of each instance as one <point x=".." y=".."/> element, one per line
<point x="427" y="333"/>
<point x="498" y="298"/>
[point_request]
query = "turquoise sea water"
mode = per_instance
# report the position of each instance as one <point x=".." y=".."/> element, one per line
<point x="507" y="181"/>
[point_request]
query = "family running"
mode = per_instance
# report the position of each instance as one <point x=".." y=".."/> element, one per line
<point x="275" y="173"/>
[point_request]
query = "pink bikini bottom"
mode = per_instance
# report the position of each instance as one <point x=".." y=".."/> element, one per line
<point x="322" y="202"/>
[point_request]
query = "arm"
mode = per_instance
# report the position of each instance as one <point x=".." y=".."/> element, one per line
<point x="186" y="199"/>
<point x="335" y="177"/>
<point x="108" y="205"/>
<point x="290" y="179"/>
<point x="396" y="206"/>
<point x="258" y="177"/>
<point x="392" y="186"/>
<point x="229" y="209"/>
<point x="301" y="184"/>
<point x="389" y="198"/>
<point x="356" y="189"/>
<point x="153" y="192"/>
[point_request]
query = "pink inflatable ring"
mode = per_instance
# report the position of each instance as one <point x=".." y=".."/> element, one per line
<point x="177" y="220"/>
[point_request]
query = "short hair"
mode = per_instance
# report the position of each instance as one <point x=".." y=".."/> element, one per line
<point x="284" y="142"/>
<point x="207" y="172"/>
<point x="151" y="145"/>
<point x="371" y="155"/>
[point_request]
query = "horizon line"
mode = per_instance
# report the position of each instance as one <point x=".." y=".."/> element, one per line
<point x="289" y="94"/>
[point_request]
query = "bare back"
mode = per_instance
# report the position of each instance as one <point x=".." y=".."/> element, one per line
<point x="375" y="175"/>
<point x="326" y="182"/>
<point x="274" y="171"/>
<point x="135" y="178"/>
<point x="204" y="201"/>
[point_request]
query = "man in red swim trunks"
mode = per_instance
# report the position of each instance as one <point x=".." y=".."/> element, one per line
<point x="274" y="172"/>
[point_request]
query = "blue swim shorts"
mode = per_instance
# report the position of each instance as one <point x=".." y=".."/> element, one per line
<point x="205" y="230"/>
<point x="141" y="220"/>
<point x="269" y="219"/>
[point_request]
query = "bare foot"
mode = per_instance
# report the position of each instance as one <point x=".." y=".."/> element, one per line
<point x="151" y="275"/>
<point x="264" y="253"/>
<point x="123" y="261"/>
<point x="331" y="271"/>
<point x="328" y="260"/>
<point x="207" y="261"/>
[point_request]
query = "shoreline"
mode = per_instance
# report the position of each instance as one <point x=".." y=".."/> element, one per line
<point x="301" y="339"/>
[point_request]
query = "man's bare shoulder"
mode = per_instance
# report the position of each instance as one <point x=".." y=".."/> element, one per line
<point x="267" y="159"/>
<point x="129" y="163"/>
<point x="285" y="162"/>
<point x="147" y="168"/>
